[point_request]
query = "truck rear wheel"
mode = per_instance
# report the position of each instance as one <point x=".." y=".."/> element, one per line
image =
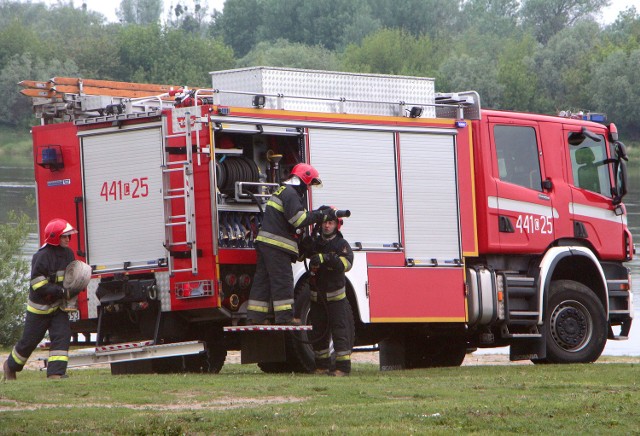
<point x="410" y="349"/>
<point x="576" y="325"/>
<point x="435" y="352"/>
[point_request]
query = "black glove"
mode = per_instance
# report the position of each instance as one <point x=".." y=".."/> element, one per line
<point x="329" y="214"/>
<point x="316" y="260"/>
<point x="70" y="293"/>
<point x="305" y="245"/>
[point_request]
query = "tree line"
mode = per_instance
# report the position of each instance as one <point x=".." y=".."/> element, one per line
<point x="527" y="55"/>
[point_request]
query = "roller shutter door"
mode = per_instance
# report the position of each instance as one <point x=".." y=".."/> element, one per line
<point x="430" y="199"/>
<point x="358" y="172"/>
<point x="123" y="198"/>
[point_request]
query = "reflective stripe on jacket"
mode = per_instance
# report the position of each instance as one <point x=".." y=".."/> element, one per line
<point x="284" y="213"/>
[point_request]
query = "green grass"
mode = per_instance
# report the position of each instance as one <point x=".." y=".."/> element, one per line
<point x="566" y="399"/>
<point x="15" y="147"/>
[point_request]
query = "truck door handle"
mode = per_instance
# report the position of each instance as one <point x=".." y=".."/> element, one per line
<point x="504" y="224"/>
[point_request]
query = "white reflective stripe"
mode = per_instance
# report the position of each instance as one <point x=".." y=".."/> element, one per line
<point x="60" y="276"/>
<point x="280" y="241"/>
<point x="38" y="282"/>
<point x="298" y="218"/>
<point x="58" y="353"/>
<point x="322" y="354"/>
<point x="596" y="212"/>
<point x="336" y="293"/>
<point x="258" y="303"/>
<point x="42" y="309"/>
<point x="525" y="207"/>
<point x="277" y="200"/>
<point x="282" y="305"/>
<point x="275" y="205"/>
<point x="18" y="357"/>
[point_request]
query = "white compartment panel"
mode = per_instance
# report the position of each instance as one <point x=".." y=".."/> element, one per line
<point x="358" y="172"/>
<point x="430" y="198"/>
<point x="123" y="197"/>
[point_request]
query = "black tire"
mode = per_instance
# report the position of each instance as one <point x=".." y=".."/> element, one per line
<point x="299" y="353"/>
<point x="434" y="352"/>
<point x="212" y="359"/>
<point x="575" y="324"/>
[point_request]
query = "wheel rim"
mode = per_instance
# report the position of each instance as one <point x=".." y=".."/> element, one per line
<point x="571" y="326"/>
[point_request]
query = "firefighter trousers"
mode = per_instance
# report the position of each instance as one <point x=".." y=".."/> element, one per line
<point x="35" y="328"/>
<point x="334" y="316"/>
<point x="272" y="284"/>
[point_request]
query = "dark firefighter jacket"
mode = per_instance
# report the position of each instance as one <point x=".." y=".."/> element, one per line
<point x="337" y="260"/>
<point x="284" y="214"/>
<point x="47" y="274"/>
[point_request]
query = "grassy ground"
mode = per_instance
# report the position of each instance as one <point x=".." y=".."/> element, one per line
<point x="566" y="399"/>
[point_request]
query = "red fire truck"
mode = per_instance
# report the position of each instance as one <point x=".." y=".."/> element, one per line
<point x="471" y="228"/>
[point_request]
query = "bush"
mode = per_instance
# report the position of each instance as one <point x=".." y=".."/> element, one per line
<point x="14" y="277"/>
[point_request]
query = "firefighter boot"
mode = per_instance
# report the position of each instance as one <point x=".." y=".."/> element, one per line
<point x="57" y="376"/>
<point x="8" y="374"/>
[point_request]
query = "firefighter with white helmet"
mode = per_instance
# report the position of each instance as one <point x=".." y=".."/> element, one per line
<point x="44" y="308"/>
<point x="277" y="246"/>
<point x="330" y="257"/>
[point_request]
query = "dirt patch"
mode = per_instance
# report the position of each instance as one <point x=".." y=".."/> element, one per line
<point x="226" y="404"/>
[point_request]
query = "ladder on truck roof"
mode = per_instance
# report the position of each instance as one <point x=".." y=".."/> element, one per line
<point x="70" y="98"/>
<point x="187" y="220"/>
<point x="75" y="99"/>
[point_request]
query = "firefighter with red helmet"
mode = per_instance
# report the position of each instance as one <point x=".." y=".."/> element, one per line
<point x="330" y="257"/>
<point x="277" y="246"/>
<point x="44" y="308"/>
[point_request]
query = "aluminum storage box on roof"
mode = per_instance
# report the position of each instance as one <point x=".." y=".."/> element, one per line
<point x="323" y="90"/>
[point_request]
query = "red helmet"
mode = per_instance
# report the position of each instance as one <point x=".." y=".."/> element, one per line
<point x="56" y="228"/>
<point x="307" y="174"/>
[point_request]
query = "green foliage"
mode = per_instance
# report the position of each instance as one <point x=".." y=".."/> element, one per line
<point x="516" y="74"/>
<point x="545" y="18"/>
<point x="282" y="53"/>
<point x="14" y="277"/>
<point x="534" y="55"/>
<point x="16" y="147"/>
<point x="15" y="109"/>
<point x="238" y="24"/>
<point x="392" y="51"/>
<point x="152" y="54"/>
<point x="615" y="87"/>
<point x="140" y="11"/>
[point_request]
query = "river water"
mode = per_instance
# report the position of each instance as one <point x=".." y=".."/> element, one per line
<point x="17" y="191"/>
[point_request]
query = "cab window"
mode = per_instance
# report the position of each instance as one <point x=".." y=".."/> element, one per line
<point x="517" y="150"/>
<point x="588" y="165"/>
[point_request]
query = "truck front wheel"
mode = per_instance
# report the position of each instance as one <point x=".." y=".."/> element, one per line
<point x="576" y="325"/>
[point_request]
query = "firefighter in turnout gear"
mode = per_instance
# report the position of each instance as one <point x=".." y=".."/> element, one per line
<point x="44" y="308"/>
<point x="277" y="247"/>
<point x="330" y="257"/>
